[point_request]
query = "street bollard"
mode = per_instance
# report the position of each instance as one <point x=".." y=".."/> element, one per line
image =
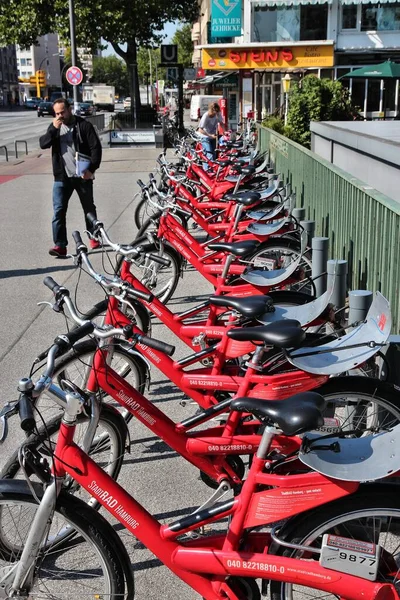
<point x="359" y="303"/>
<point x="309" y="227"/>
<point x="337" y="270"/>
<point x="319" y="247"/>
<point x="299" y="214"/>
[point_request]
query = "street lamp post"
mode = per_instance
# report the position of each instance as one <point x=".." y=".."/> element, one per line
<point x="73" y="49"/>
<point x="286" y="87"/>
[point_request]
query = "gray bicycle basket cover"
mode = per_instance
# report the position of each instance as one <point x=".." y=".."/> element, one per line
<point x="270" y="278"/>
<point x="305" y="313"/>
<point x="267" y="228"/>
<point x="341" y="356"/>
<point x="366" y="458"/>
<point x="264" y="215"/>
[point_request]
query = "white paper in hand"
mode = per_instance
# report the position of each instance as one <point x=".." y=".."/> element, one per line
<point x="82" y="163"/>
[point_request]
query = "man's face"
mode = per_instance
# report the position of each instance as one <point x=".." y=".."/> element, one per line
<point x="62" y="112"/>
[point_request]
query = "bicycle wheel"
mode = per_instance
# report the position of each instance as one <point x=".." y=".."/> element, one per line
<point x="159" y="279"/>
<point x="107" y="448"/>
<point x="145" y="210"/>
<point x="371" y="515"/>
<point x="76" y="367"/>
<point x="91" y="567"/>
<point x="140" y="314"/>
<point x="361" y="405"/>
<point x="278" y="253"/>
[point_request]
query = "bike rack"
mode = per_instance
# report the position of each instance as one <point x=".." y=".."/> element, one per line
<point x="6" y="151"/>
<point x="16" y="146"/>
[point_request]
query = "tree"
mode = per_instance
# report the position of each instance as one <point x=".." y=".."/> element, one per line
<point x="120" y="22"/>
<point x="143" y="64"/>
<point x="183" y="38"/>
<point x="314" y="99"/>
<point x="111" y="71"/>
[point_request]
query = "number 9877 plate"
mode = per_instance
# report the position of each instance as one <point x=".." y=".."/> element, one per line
<point x="346" y="555"/>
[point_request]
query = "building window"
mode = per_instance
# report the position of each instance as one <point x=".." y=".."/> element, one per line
<point x="29" y="62"/>
<point x="313" y="21"/>
<point x="349" y="16"/>
<point x="23" y="62"/>
<point x="371" y="17"/>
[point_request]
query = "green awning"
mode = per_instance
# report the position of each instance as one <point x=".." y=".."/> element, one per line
<point x="282" y="3"/>
<point x="385" y="70"/>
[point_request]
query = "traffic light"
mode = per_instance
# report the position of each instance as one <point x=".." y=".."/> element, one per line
<point x="41" y="75"/>
<point x="32" y="79"/>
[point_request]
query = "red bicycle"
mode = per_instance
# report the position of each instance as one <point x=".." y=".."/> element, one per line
<point x="340" y="537"/>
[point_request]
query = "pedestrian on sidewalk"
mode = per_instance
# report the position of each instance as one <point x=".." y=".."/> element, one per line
<point x="208" y="130"/>
<point x="67" y="136"/>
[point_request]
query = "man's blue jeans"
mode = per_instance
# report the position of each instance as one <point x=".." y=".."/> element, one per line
<point x="209" y="145"/>
<point x="62" y="192"/>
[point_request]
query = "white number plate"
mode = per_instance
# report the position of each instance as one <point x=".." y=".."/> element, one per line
<point x="350" y="556"/>
<point x="266" y="263"/>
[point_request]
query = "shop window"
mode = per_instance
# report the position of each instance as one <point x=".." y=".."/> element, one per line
<point x="369" y="13"/>
<point x="374" y="95"/>
<point x="358" y="94"/>
<point x="313" y="21"/>
<point x="276" y="24"/>
<point x="349" y="16"/>
<point x="326" y="73"/>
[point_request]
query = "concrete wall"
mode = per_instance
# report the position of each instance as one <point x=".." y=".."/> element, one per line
<point x="372" y="159"/>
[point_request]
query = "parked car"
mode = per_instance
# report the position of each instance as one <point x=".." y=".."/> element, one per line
<point x="32" y="103"/>
<point x="127" y="103"/>
<point x="45" y="108"/>
<point x="86" y="109"/>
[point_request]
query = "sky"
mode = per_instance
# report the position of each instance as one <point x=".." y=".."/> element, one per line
<point x="168" y="30"/>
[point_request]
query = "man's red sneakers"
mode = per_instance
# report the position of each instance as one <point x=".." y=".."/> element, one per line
<point x="94" y="244"/>
<point x="58" y="251"/>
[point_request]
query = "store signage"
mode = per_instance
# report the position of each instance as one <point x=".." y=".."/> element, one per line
<point x="267" y="57"/>
<point x="135" y="136"/>
<point x="226" y="18"/>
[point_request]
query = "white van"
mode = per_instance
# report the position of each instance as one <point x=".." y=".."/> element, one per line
<point x="199" y="105"/>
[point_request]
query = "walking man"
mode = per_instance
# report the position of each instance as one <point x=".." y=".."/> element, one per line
<point x="67" y="136"/>
<point x="208" y="130"/>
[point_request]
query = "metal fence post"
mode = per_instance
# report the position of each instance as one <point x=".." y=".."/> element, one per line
<point x="337" y="270"/>
<point x="299" y="214"/>
<point x="309" y="227"/>
<point x="359" y="303"/>
<point x="319" y="247"/>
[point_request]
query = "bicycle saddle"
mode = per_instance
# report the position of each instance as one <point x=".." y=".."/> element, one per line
<point x="237" y="248"/>
<point x="293" y="416"/>
<point x="245" y="170"/>
<point x="223" y="163"/>
<point x="250" y="306"/>
<point x="245" y="198"/>
<point x="233" y="145"/>
<point x="282" y="334"/>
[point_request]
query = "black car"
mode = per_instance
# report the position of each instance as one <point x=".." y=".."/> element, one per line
<point x="86" y="109"/>
<point x="32" y="103"/>
<point x="45" y="108"/>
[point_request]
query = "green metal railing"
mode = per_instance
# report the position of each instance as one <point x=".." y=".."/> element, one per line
<point x="362" y="224"/>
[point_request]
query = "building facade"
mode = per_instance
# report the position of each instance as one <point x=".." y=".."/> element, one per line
<point x="297" y="37"/>
<point x="8" y="76"/>
<point x="44" y="56"/>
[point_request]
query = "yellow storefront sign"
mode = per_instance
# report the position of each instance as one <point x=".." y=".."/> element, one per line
<point x="267" y="57"/>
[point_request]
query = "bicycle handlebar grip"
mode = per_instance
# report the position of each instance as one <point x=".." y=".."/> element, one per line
<point x="147" y="296"/>
<point x="157" y="345"/>
<point x="79" y="332"/>
<point x="51" y="284"/>
<point x="159" y="259"/>
<point x="151" y="176"/>
<point x="141" y="184"/>
<point x="92" y="219"/>
<point x="26" y="413"/>
<point x="80" y="245"/>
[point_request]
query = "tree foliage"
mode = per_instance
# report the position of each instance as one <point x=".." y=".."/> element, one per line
<point x="120" y="22"/>
<point x="111" y="70"/>
<point x="183" y="38"/>
<point x="314" y="99"/>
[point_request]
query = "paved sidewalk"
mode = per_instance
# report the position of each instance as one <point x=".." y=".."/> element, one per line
<point x="166" y="484"/>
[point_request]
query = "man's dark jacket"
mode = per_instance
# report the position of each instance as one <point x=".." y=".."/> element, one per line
<point x="85" y="139"/>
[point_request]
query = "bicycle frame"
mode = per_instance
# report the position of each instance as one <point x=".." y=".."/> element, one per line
<point x="206" y="563"/>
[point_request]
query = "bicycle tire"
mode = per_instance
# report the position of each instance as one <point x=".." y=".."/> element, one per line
<point x="103" y="550"/>
<point x="281" y="251"/>
<point x="112" y="445"/>
<point x="126" y="363"/>
<point x="376" y="504"/>
<point x="141" y="315"/>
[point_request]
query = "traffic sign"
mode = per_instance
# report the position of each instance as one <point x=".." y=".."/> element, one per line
<point x="169" y="54"/>
<point x="74" y="75"/>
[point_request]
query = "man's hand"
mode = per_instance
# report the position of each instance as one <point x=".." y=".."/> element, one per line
<point x="57" y="123"/>
<point x="87" y="175"/>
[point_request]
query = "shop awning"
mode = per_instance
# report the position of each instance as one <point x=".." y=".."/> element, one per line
<point x="216" y="77"/>
<point x="282" y="3"/>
